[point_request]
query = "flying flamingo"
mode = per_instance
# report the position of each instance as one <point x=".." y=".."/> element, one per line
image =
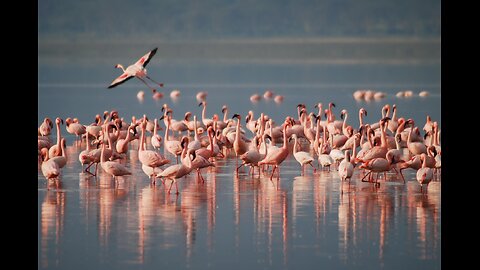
<point x="137" y="70"/>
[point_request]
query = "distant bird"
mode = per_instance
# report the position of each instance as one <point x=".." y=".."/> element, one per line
<point x="137" y="70"/>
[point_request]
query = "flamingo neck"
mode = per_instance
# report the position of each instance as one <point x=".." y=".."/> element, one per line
<point x="64" y="153"/>
<point x="383" y="136"/>
<point x="210" y="140"/>
<point x="102" y="154"/>
<point x="87" y="142"/>
<point x="409" y="139"/>
<point x="237" y="131"/>
<point x="121" y="66"/>
<point x="360" y="117"/>
<point x="58" y="134"/>
<point x="195" y="125"/>
<point x="166" y="130"/>
<point x="285" y="137"/>
<point x="142" y="140"/>
<point x="203" y="111"/>
<point x="155" y="123"/>
<point x="354" y="152"/>
<point x="225" y="113"/>
<point x="394" y="114"/>
<point x="344" y="126"/>
<point x="295" y="145"/>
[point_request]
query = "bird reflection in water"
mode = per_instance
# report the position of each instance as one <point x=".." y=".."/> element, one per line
<point x="52" y="223"/>
<point x="271" y="212"/>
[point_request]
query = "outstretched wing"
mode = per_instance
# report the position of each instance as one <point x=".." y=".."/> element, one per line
<point x="120" y="79"/>
<point x="146" y="58"/>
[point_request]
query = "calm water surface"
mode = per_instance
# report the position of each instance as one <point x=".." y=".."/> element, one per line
<point x="236" y="222"/>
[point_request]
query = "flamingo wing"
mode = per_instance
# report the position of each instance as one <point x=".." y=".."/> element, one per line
<point x="120" y="79"/>
<point x="146" y="58"/>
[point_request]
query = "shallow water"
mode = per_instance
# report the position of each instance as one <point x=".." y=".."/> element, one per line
<point x="239" y="222"/>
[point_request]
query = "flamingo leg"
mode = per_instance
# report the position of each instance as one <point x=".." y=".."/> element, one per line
<point x="366" y="176"/>
<point x="176" y="187"/>
<point x="146" y="83"/>
<point x="159" y="84"/>
<point x="314" y="169"/>
<point x="170" y="187"/>
<point x="273" y="171"/>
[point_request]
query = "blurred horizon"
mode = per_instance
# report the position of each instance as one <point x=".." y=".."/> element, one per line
<point x="213" y="19"/>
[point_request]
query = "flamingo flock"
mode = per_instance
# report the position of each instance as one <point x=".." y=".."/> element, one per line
<point x="315" y="139"/>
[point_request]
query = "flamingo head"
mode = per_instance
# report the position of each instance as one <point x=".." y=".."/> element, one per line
<point x="331" y="104"/>
<point x="236" y="116"/>
<point x="204" y="103"/>
<point x="342" y="113"/>
<point x="119" y="66"/>
<point x="58" y="120"/>
<point x="363" y="111"/>
<point x="68" y="121"/>
<point x="224" y="108"/>
<point x="394" y="107"/>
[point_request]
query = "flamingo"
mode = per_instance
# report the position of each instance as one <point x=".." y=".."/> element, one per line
<point x="50" y="168"/>
<point x="239" y="145"/>
<point x="148" y="157"/>
<point x="122" y="144"/>
<point x="279" y="155"/>
<point x="301" y="156"/>
<point x="378" y="165"/>
<point x="84" y="156"/>
<point x="56" y="150"/>
<point x="252" y="156"/>
<point x="156" y="140"/>
<point x="75" y="128"/>
<point x="424" y="174"/>
<point x="172" y="146"/>
<point x="111" y="167"/>
<point x="416" y="148"/>
<point x="95" y="128"/>
<point x="137" y="70"/>
<point x="195" y="144"/>
<point x="61" y="160"/>
<point x="46" y="127"/>
<point x="206" y="121"/>
<point x="345" y="169"/>
<point x="177" y="171"/>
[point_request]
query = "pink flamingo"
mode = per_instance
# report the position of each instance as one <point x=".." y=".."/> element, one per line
<point x="156" y="140"/>
<point x="148" y="157"/>
<point x="279" y="155"/>
<point x="75" y="128"/>
<point x="50" y="169"/>
<point x="302" y="157"/>
<point x="122" y="144"/>
<point x="137" y="70"/>
<point x="61" y="160"/>
<point x="111" y="167"/>
<point x="178" y="171"/>
<point x="56" y="150"/>
<point x="46" y="127"/>
<point x="424" y="174"/>
<point x="416" y="148"/>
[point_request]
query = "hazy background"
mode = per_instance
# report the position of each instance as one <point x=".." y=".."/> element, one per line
<point x="331" y="32"/>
